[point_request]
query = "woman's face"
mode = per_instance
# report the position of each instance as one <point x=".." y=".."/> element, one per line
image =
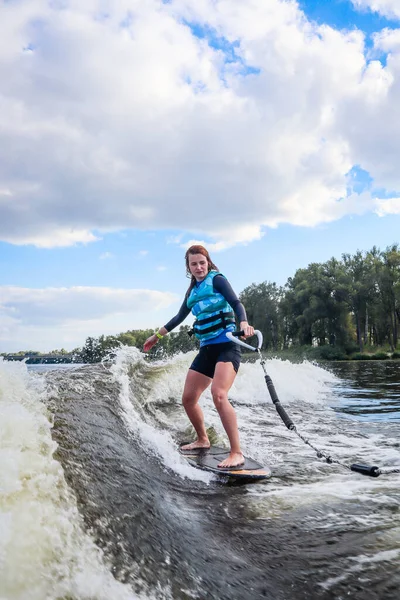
<point x="198" y="266"/>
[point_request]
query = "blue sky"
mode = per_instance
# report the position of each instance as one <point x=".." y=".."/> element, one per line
<point x="267" y="130"/>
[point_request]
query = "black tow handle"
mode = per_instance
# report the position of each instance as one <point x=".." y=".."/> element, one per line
<point x="366" y="470"/>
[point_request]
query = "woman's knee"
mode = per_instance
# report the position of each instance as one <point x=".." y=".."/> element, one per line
<point x="219" y="396"/>
<point x="189" y="400"/>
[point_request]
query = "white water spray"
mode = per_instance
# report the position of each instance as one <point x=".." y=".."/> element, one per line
<point x="44" y="550"/>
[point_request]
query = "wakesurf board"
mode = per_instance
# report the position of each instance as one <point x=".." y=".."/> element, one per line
<point x="208" y="459"/>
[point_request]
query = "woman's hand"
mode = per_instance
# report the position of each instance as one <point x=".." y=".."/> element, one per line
<point x="150" y="342"/>
<point x="247" y="329"/>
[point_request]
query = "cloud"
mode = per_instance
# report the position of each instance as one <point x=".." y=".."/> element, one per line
<point x="387" y="40"/>
<point x="215" y="118"/>
<point x="369" y="117"/>
<point x="386" y="8"/>
<point x="389" y="206"/>
<point x="241" y="234"/>
<point x="55" y="236"/>
<point x="55" y="317"/>
<point x="106" y="256"/>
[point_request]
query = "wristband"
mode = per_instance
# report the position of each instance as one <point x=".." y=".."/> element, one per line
<point x="160" y="337"/>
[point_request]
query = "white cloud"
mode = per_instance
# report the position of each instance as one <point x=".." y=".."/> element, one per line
<point x="106" y="255"/>
<point x="57" y="236"/>
<point x="387" y="8"/>
<point x="119" y="117"/>
<point x="370" y="118"/>
<point x="54" y="317"/>
<point x="241" y="234"/>
<point x="175" y="239"/>
<point x="387" y="40"/>
<point x="390" y="206"/>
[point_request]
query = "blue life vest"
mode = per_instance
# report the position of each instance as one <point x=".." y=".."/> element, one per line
<point x="213" y="313"/>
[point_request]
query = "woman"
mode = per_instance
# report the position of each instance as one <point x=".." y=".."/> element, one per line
<point x="213" y="303"/>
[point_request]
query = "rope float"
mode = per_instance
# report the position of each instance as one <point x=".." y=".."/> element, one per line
<point x="370" y="471"/>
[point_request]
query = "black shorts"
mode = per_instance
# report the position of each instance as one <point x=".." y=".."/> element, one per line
<point x="211" y="354"/>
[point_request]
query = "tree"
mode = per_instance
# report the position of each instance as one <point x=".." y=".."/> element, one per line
<point x="359" y="285"/>
<point x="387" y="271"/>
<point x="262" y="303"/>
<point x="92" y="351"/>
<point x="181" y="341"/>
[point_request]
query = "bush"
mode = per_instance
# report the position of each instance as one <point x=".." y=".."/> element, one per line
<point x="380" y="356"/>
<point x="396" y="355"/>
<point x="329" y="353"/>
<point x="361" y="356"/>
<point x="300" y="353"/>
<point x="352" y="348"/>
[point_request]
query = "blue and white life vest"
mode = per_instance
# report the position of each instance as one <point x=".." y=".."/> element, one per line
<point x="213" y="313"/>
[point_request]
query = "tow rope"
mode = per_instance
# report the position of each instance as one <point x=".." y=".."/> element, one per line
<point x="371" y="471"/>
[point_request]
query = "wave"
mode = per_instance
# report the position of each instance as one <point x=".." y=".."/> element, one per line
<point x="45" y="551"/>
<point x="97" y="502"/>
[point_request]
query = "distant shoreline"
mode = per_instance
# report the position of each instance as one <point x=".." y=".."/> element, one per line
<point x="47" y="359"/>
<point x="296" y="354"/>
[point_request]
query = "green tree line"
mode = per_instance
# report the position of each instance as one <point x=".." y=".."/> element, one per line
<point x="345" y="304"/>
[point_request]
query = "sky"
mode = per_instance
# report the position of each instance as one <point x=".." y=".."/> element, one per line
<point x="268" y="130"/>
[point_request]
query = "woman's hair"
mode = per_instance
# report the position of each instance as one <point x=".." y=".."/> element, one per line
<point x="197" y="249"/>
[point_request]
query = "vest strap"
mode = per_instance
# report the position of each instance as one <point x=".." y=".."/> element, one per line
<point x="221" y="314"/>
<point x="223" y="319"/>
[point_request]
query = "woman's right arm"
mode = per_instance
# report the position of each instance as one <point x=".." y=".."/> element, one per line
<point x="174" y="322"/>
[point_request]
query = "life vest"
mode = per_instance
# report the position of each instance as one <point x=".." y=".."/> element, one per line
<point x="213" y="313"/>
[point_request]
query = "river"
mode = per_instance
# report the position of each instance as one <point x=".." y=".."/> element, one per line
<point x="96" y="503"/>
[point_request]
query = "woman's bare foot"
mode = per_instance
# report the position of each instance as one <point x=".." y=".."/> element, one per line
<point x="235" y="459"/>
<point x="197" y="444"/>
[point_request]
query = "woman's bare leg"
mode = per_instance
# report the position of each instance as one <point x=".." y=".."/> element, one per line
<point x="223" y="379"/>
<point x="195" y="385"/>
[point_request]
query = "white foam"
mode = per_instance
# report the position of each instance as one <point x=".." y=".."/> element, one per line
<point x="44" y="550"/>
<point x="305" y="381"/>
<point x="158" y="443"/>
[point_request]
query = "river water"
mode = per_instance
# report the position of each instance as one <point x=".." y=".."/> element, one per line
<point x="96" y="503"/>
